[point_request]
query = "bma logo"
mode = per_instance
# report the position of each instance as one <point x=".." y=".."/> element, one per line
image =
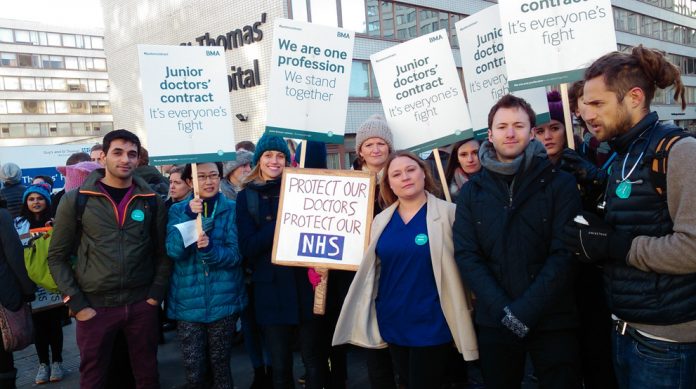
<point x="321" y="246"/>
<point x="435" y="38"/>
<point x="343" y="35"/>
<point x="213" y="53"/>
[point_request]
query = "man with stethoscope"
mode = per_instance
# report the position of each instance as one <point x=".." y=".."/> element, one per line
<point x="647" y="239"/>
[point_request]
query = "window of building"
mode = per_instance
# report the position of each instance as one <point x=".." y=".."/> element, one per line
<point x="3" y="107"/>
<point x="63" y="129"/>
<point x="28" y="60"/>
<point x="69" y="40"/>
<point x="8" y="59"/>
<point x="52" y="62"/>
<point x="79" y="41"/>
<point x="53" y="39"/>
<point x="6" y="35"/>
<point x="386" y="10"/>
<point x="99" y="64"/>
<point x="71" y="63"/>
<point x="78" y="107"/>
<point x="79" y="129"/>
<point x="360" y="79"/>
<point x="33" y="106"/>
<point x="650" y="27"/>
<point x="406" y="22"/>
<point x="28" y="83"/>
<point x="101" y="86"/>
<point x="373" y="27"/>
<point x="97" y="42"/>
<point x="33" y="129"/>
<point x="353" y="15"/>
<point x="11" y="83"/>
<point x="324" y="12"/>
<point x="61" y="106"/>
<point x="14" y="106"/>
<point x="100" y="107"/>
<point x="75" y="86"/>
<point x="22" y="36"/>
<point x="17" y="130"/>
<point x="43" y="39"/>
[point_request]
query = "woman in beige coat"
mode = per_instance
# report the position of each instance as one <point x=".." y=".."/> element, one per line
<point x="407" y="293"/>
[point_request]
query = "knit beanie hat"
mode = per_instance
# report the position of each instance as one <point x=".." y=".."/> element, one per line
<point x="43" y="189"/>
<point x="374" y="127"/>
<point x="270" y="142"/>
<point x="316" y="155"/>
<point x="555" y="106"/>
<point x="10" y="173"/>
<point x="243" y="157"/>
<point x="76" y="174"/>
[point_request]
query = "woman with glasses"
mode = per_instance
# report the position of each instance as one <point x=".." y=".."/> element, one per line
<point x="206" y="294"/>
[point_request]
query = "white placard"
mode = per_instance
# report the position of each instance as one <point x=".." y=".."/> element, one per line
<point x="324" y="218"/>
<point x="483" y="63"/>
<point x="309" y="81"/>
<point x="186" y="104"/>
<point x="46" y="300"/>
<point x="553" y="42"/>
<point x="421" y="93"/>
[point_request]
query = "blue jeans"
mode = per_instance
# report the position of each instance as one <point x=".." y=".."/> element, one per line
<point x="653" y="364"/>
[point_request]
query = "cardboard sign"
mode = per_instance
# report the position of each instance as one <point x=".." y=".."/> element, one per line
<point x="421" y="93"/>
<point x="42" y="160"/>
<point x="324" y="218"/>
<point x="552" y="42"/>
<point x="309" y="81"/>
<point x="483" y="63"/>
<point x="46" y="300"/>
<point x="186" y="104"/>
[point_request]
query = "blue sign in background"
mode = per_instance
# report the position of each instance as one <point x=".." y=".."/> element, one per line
<point x="321" y="246"/>
<point x="28" y="175"/>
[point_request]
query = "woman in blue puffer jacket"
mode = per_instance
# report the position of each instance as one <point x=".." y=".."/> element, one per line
<point x="207" y="293"/>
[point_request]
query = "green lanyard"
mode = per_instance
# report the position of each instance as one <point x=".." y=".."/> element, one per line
<point x="205" y="209"/>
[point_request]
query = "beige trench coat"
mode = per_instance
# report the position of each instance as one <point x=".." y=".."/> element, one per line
<point x="357" y="323"/>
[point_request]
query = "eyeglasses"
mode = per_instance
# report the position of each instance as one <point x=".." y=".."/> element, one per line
<point x="212" y="177"/>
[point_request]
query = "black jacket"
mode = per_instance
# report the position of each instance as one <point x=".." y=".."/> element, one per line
<point x="508" y="247"/>
<point x="16" y="285"/>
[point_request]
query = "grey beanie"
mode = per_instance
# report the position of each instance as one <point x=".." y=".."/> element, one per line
<point x="10" y="173"/>
<point x="374" y="127"/>
<point x="243" y="157"/>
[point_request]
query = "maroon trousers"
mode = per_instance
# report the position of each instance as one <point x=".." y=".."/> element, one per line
<point x="95" y="339"/>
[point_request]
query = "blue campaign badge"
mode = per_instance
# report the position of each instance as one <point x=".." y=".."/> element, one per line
<point x="138" y="215"/>
<point x="421" y="239"/>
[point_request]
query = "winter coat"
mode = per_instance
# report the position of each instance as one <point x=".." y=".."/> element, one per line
<point x="282" y="294"/>
<point x="508" y="246"/>
<point x="357" y="323"/>
<point x="206" y="284"/>
<point x="118" y="263"/>
<point x="16" y="285"/>
<point x="13" y="196"/>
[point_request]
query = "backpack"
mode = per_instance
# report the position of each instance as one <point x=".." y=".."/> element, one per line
<point x="658" y="167"/>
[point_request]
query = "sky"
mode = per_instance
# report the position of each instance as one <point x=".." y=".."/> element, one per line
<point x="76" y="13"/>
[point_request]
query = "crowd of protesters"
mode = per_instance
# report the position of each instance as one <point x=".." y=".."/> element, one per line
<point x="580" y="259"/>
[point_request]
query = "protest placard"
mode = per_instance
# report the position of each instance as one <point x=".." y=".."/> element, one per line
<point x="552" y="41"/>
<point x="186" y="103"/>
<point x="421" y="93"/>
<point x="42" y="160"/>
<point x="46" y="300"/>
<point x="309" y="81"/>
<point x="324" y="218"/>
<point x="483" y="63"/>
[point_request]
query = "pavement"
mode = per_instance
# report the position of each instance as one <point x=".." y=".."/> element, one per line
<point x="171" y="369"/>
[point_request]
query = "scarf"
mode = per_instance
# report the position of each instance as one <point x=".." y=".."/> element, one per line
<point x="489" y="158"/>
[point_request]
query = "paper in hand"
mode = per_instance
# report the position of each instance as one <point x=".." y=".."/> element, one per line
<point x="188" y="232"/>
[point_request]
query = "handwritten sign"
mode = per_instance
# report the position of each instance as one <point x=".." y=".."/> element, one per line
<point x="324" y="218"/>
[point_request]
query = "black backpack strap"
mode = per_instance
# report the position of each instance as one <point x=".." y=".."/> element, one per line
<point x="658" y="168"/>
<point x="252" y="198"/>
<point x="80" y="205"/>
